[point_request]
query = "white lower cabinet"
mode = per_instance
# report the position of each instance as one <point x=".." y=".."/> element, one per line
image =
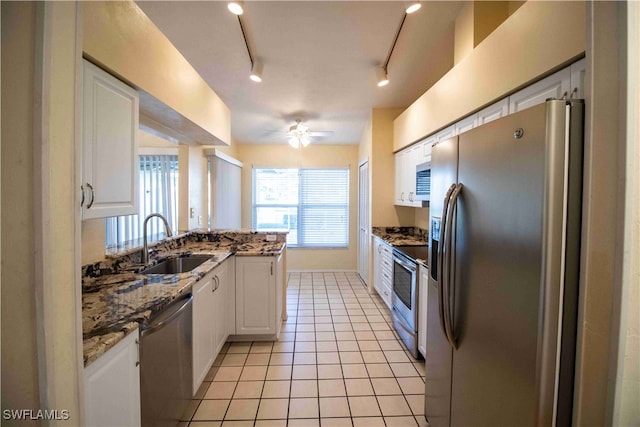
<point x="112" y="386"/>
<point x="203" y="328"/>
<point x="423" y="287"/>
<point x="210" y="328"/>
<point x="383" y="270"/>
<point x="258" y="295"/>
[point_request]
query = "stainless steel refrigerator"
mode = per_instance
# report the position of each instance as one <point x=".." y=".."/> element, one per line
<point x="504" y="261"/>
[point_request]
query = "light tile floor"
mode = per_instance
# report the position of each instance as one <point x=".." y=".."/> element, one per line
<point x="338" y="363"/>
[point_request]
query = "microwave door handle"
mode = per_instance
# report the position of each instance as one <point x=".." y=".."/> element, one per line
<point x="440" y="258"/>
<point x="450" y="265"/>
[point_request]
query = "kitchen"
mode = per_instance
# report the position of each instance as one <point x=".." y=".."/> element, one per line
<point x="54" y="279"/>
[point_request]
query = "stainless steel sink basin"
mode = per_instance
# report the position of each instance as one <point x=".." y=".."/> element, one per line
<point x="177" y="265"/>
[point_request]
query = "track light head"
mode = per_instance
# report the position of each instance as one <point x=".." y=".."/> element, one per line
<point x="412" y="6"/>
<point x="236" y="7"/>
<point x="256" y="72"/>
<point x="381" y="75"/>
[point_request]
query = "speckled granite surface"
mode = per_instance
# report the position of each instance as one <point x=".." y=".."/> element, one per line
<point x="401" y="236"/>
<point x="115" y="296"/>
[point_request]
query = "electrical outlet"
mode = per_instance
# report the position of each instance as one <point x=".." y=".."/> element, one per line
<point x="192" y="213"/>
<point x="271" y="237"/>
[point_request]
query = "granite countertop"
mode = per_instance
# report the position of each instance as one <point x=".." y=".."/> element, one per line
<point x="116" y="298"/>
<point x="401" y="236"/>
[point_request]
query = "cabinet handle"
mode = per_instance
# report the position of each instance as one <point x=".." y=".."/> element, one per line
<point x="380" y="249"/>
<point x="216" y="281"/>
<point x="272" y="268"/>
<point x="82" y="191"/>
<point x="402" y="196"/>
<point x="92" y="196"/>
<point x="138" y="346"/>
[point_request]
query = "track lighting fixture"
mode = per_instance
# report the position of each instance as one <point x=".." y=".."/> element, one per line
<point x="381" y="72"/>
<point x="382" y="78"/>
<point x="256" y="66"/>
<point x="256" y="72"/>
<point x="411" y="6"/>
<point x="236" y="7"/>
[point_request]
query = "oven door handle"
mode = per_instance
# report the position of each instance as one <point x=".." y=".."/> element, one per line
<point x="449" y="266"/>
<point x="440" y="260"/>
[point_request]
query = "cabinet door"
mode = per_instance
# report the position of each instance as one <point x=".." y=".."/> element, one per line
<point x="387" y="272"/>
<point x="230" y="296"/>
<point x="423" y="286"/>
<point x="466" y="124"/>
<point x="555" y="86"/>
<point x="446" y="133"/>
<point x="203" y="329"/>
<point x="112" y="386"/>
<point x="109" y="145"/>
<point x="493" y="112"/>
<point x="377" y="268"/>
<point x="221" y="285"/>
<point x="401" y="197"/>
<point x="255" y="295"/>
<point x="280" y="277"/>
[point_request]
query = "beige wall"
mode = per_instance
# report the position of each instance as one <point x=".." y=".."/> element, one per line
<point x="19" y="348"/>
<point x="498" y="66"/>
<point x="120" y="37"/>
<point x="464" y="32"/>
<point x="41" y="322"/>
<point x="283" y="156"/>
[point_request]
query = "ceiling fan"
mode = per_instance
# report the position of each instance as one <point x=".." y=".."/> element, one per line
<point x="300" y="135"/>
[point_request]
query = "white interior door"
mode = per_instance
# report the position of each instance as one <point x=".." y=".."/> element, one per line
<point x="363" y="222"/>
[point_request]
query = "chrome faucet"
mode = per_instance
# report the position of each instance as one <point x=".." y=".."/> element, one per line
<point x="145" y="248"/>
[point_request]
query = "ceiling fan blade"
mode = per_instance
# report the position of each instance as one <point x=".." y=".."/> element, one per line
<point x="321" y="133"/>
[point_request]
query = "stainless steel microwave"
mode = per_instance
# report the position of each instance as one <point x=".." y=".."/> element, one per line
<point x="423" y="181"/>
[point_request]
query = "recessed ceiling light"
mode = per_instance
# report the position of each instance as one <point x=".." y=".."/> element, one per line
<point x="381" y="75"/>
<point x="412" y="6"/>
<point x="236" y="7"/>
<point x="256" y="72"/>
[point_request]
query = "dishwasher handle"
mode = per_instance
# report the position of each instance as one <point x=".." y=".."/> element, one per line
<point x="158" y="326"/>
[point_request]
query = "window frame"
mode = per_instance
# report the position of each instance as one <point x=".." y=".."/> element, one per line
<point x="300" y="207"/>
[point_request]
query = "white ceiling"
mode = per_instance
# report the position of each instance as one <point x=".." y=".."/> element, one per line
<point x="319" y="60"/>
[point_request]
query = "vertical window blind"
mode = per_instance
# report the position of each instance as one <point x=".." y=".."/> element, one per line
<point x="158" y="193"/>
<point x="313" y="204"/>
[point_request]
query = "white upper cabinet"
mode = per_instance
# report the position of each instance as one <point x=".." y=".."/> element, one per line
<point x="466" y="124"/>
<point x="109" y="145"/>
<point x="405" y="184"/>
<point x="555" y="86"/>
<point x="493" y="112"/>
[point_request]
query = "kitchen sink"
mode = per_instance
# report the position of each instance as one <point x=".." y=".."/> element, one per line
<point x="182" y="264"/>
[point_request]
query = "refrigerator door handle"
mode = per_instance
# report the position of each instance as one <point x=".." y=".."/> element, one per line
<point x="448" y="285"/>
<point x="440" y="260"/>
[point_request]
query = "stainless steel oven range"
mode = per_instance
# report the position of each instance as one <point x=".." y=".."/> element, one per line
<point x="404" y="299"/>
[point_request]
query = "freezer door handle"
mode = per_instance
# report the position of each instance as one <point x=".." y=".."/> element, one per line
<point x="440" y="259"/>
<point x="448" y="266"/>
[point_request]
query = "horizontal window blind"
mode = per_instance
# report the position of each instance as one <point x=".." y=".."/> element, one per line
<point x="313" y="204"/>
<point x="158" y="193"/>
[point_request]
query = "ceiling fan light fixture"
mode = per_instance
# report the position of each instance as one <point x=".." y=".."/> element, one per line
<point x="293" y="141"/>
<point x="236" y="7"/>
<point x="381" y="75"/>
<point x="412" y="6"/>
<point x="256" y="72"/>
<point x="304" y="140"/>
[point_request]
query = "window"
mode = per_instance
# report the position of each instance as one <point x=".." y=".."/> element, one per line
<point x="158" y="192"/>
<point x="313" y="204"/>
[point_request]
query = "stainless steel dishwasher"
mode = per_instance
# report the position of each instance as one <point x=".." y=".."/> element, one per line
<point x="166" y="372"/>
